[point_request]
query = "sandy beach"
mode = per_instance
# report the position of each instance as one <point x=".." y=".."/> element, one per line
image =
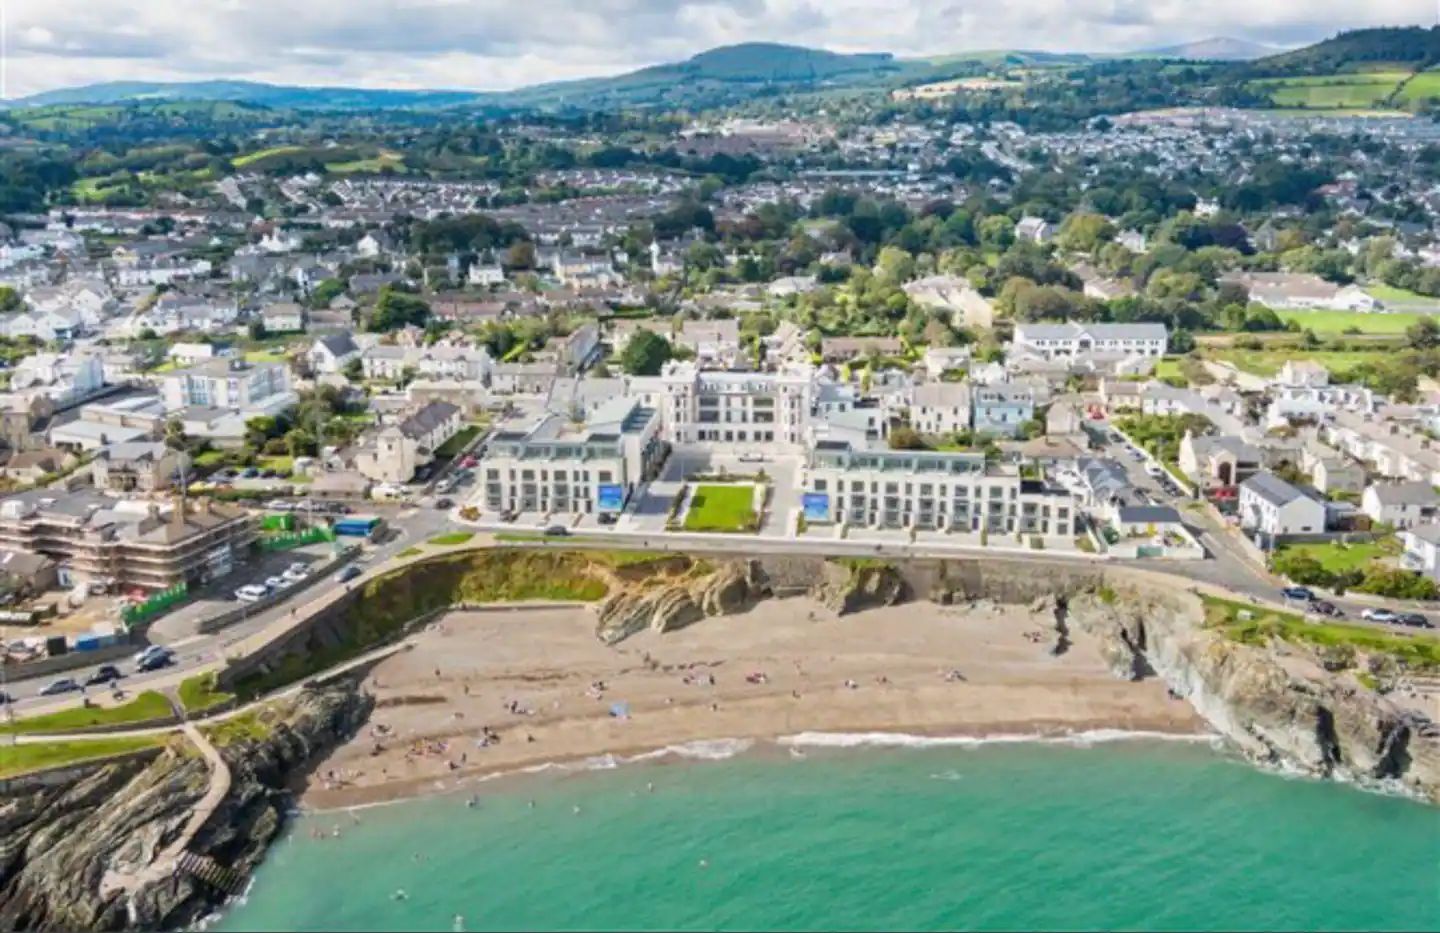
<point x="484" y="693"/>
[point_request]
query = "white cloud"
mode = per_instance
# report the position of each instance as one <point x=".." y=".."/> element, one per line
<point x="496" y="44"/>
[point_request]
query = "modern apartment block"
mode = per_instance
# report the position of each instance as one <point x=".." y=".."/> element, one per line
<point x="564" y="465"/>
<point x="702" y="406"/>
<point x="958" y="492"/>
<point x="126" y="544"/>
<point x="230" y="383"/>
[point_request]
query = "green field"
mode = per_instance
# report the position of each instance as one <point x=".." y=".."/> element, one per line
<point x="1424" y="86"/>
<point x="1382" y="292"/>
<point x="1269" y="362"/>
<point x="722" y="508"/>
<point x="258" y="154"/>
<point x="20" y="759"/>
<point x="1330" y="92"/>
<point x="1325" y="323"/>
<point x="1338" y="558"/>
<point x="391" y="160"/>
<point x="148" y="705"/>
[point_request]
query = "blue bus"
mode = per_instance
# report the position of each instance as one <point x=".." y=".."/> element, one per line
<point x="359" y="526"/>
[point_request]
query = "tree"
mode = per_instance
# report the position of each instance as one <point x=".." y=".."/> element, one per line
<point x="354" y="369"/>
<point x="646" y="354"/>
<point x="325" y="292"/>
<point x="396" y="309"/>
<point x="904" y="437"/>
<point x="9" y="299"/>
<point x="257" y="329"/>
<point x="1424" y="334"/>
<point x="520" y="255"/>
<point x="1085" y="232"/>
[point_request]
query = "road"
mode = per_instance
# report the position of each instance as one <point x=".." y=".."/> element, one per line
<point x="194" y="651"/>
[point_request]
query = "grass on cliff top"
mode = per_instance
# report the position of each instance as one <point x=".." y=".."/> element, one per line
<point x="452" y="538"/>
<point x="386" y="604"/>
<point x="1417" y="650"/>
<point x="148" y="705"/>
<point x="22" y="759"/>
<point x="200" y="693"/>
<point x="729" y="509"/>
<point x="246" y="727"/>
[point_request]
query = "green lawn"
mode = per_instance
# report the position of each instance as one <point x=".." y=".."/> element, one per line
<point x="21" y="759"/>
<point x="146" y="706"/>
<point x="722" y="508"/>
<point x="1168" y="370"/>
<point x="280" y="464"/>
<point x="265" y="356"/>
<point x="1338" y="558"/>
<point x="1423" y="86"/>
<point x="1268" y="362"/>
<point x="451" y="539"/>
<point x="452" y="447"/>
<point x="1325" y="323"/>
<point x="1383" y="292"/>
<point x="199" y="693"/>
<point x="1418" y="650"/>
<point x="210" y="458"/>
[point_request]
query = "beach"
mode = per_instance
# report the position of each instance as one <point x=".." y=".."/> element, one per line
<point x="482" y="693"/>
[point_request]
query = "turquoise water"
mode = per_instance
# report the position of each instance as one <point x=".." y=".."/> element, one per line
<point x="1125" y="835"/>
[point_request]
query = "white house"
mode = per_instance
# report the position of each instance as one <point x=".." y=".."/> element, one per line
<point x="1069" y="340"/>
<point x="331" y="353"/>
<point x="1272" y="507"/>
<point x="941" y="408"/>
<point x="1035" y="230"/>
<point x="1422" y="550"/>
<point x="1401" y="505"/>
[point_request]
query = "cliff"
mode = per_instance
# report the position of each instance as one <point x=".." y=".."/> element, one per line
<point x="665" y="604"/>
<point x="62" y="840"/>
<point x="1278" y="703"/>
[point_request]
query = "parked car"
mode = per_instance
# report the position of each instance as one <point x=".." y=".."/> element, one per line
<point x="251" y="593"/>
<point x="276" y="583"/>
<point x="1378" y="615"/>
<point x="57" y="687"/>
<point x="249" y="473"/>
<point x="104" y="674"/>
<point x="443" y="503"/>
<point x="607" y="518"/>
<point x="1414" y="620"/>
<point x="558" y="531"/>
<point x="296" y="572"/>
<point x="1326" y="608"/>
<point x="349" y="573"/>
<point x="1298" y="593"/>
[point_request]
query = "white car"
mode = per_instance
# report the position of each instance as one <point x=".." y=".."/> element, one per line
<point x="251" y="593"/>
<point x="296" y="572"/>
<point x="1153" y="469"/>
<point x="276" y="583"/>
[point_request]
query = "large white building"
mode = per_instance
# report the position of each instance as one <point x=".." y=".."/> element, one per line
<point x="1274" y="508"/>
<point x="1069" y="340"/>
<point x="755" y="409"/>
<point x="229" y="383"/>
<point x="558" y="465"/>
<point x="957" y="492"/>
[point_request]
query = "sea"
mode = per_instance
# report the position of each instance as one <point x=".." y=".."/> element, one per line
<point x="868" y="832"/>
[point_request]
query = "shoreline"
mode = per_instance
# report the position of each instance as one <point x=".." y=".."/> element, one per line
<point x="480" y="698"/>
<point x="700" y="751"/>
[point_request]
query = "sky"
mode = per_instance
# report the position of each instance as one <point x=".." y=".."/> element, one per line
<point x="501" y="44"/>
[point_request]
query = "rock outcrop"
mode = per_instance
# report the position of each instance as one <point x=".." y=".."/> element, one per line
<point x="58" y="842"/>
<point x="1282" y="711"/>
<point x="851" y="585"/>
<point x="672" y="604"/>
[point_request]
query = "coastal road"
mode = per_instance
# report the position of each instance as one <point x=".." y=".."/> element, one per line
<point x="194" y="651"/>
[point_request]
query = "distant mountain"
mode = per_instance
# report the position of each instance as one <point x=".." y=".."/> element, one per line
<point x="715" y="76"/>
<point x="1217" y="49"/>
<point x="1410" y="47"/>
<point x="247" y="92"/>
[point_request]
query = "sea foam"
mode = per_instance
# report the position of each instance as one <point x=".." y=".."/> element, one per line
<point x="908" y="740"/>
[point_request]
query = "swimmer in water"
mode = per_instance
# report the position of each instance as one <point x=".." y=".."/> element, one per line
<point x="704" y="863"/>
<point x="458" y="925"/>
<point x="577" y="809"/>
<point x="399" y="895"/>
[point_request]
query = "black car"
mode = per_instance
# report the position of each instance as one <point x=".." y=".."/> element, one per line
<point x="1326" y="608"/>
<point x="1414" y="620"/>
<point x="349" y="573"/>
<point x="443" y="503"/>
<point x="156" y="661"/>
<point x="104" y="674"/>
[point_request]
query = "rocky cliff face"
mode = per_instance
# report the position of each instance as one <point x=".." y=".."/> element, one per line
<point x="58" y="843"/>
<point x="1278" y="710"/>
<point x="852" y="585"/>
<point x="673" y="604"/>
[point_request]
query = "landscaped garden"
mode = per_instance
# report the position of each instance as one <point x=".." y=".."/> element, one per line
<point x="722" y="509"/>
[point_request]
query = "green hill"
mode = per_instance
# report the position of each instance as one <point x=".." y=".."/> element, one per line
<point x="1409" y="48"/>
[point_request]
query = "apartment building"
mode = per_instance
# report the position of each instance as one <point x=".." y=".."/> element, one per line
<point x="956" y="492"/>
<point x="560" y="464"/>
<point x="1069" y="340"/>
<point x="253" y="389"/>
<point x="701" y="406"/>
<point x="125" y="543"/>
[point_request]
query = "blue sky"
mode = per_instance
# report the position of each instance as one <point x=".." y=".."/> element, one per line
<point x="495" y="44"/>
